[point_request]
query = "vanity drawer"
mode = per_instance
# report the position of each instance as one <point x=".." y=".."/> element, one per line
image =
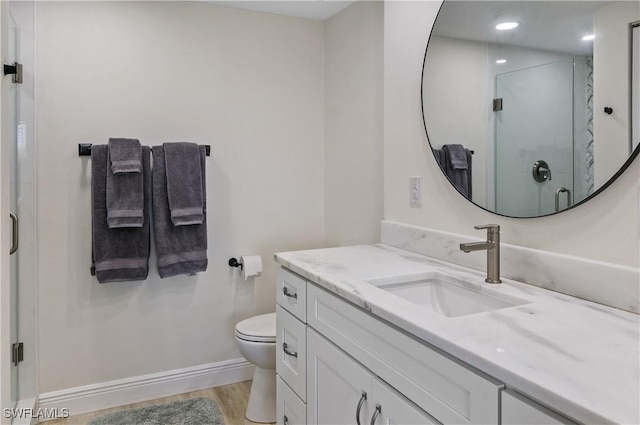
<point x="290" y="409"/>
<point x="291" y="351"/>
<point x="291" y="293"/>
<point x="519" y="410"/>
<point x="447" y="390"/>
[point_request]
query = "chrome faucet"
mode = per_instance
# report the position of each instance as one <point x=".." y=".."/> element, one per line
<point x="492" y="245"/>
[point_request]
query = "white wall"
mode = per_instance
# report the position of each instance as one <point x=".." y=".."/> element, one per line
<point x="606" y="228"/>
<point x="353" y="124"/>
<point x="611" y="76"/>
<point x="250" y="85"/>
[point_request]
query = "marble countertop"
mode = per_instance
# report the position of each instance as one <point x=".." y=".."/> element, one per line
<point x="578" y="357"/>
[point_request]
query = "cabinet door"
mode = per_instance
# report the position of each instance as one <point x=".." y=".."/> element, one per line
<point x="335" y="385"/>
<point x="394" y="408"/>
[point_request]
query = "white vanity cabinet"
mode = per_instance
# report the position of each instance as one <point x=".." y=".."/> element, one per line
<point x="341" y="391"/>
<point x="342" y="365"/>
<point x="448" y="391"/>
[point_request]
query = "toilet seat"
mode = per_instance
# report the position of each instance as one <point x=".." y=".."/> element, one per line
<point x="258" y="328"/>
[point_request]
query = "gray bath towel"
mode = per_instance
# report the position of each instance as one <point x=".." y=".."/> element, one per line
<point x="118" y="254"/>
<point x="440" y="157"/>
<point x="459" y="177"/>
<point x="180" y="249"/>
<point x="125" y="199"/>
<point x="184" y="183"/>
<point x="125" y="155"/>
<point x="457" y="156"/>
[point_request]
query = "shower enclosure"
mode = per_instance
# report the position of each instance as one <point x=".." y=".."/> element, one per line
<point x="18" y="117"/>
<point x="542" y="139"/>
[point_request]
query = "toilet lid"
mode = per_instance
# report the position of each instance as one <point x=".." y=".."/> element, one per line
<point x="258" y="328"/>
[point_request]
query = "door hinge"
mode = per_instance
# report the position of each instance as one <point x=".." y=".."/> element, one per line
<point x="17" y="353"/>
<point x="15" y="70"/>
<point x="497" y="104"/>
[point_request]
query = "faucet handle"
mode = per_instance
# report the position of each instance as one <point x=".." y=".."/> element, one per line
<point x="491" y="228"/>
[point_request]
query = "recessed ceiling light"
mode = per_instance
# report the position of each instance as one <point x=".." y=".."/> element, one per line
<point x="501" y="61"/>
<point x="506" y="26"/>
<point x="588" y="37"/>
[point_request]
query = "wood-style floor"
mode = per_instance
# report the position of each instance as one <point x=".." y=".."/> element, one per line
<point x="232" y="400"/>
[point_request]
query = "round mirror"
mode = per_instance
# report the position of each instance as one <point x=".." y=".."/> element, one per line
<point x="533" y="107"/>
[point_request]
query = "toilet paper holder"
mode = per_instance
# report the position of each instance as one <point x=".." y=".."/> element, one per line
<point x="234" y="263"/>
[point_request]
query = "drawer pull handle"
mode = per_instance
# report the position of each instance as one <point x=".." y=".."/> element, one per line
<point x="363" y="398"/>
<point x="285" y="420"/>
<point x="287" y="352"/>
<point x="376" y="413"/>
<point x="286" y="293"/>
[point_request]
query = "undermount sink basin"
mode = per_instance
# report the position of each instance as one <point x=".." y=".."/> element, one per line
<point x="446" y="294"/>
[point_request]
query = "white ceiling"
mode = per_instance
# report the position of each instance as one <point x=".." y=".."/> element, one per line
<point x="310" y="9"/>
<point x="547" y="25"/>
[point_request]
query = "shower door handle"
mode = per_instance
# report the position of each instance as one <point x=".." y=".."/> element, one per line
<point x="14" y="233"/>
<point x="558" y="192"/>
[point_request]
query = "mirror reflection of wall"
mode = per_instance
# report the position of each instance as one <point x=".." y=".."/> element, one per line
<point x="612" y="86"/>
<point x="546" y="77"/>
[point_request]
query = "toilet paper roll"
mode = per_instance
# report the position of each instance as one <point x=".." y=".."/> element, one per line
<point x="251" y="266"/>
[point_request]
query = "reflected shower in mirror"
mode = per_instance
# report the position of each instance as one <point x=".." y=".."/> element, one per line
<point x="541" y="92"/>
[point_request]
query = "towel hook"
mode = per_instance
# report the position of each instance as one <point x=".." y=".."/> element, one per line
<point x="234" y="263"/>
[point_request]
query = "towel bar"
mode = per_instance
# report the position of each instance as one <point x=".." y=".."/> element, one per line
<point x="84" y="149"/>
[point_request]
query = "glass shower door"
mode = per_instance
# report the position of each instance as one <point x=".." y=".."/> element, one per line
<point x="13" y="172"/>
<point x="535" y="124"/>
<point x="19" y="120"/>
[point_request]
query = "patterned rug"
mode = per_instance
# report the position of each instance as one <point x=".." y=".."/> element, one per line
<point x="197" y="411"/>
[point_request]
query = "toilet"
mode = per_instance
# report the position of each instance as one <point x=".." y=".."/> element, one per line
<point x="256" y="339"/>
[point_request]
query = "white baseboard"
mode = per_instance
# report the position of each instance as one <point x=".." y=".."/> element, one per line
<point x="104" y="395"/>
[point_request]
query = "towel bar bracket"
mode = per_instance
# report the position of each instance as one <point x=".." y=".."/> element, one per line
<point x="84" y="149"/>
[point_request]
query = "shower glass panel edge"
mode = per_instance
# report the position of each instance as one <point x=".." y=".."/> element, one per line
<point x="23" y="203"/>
